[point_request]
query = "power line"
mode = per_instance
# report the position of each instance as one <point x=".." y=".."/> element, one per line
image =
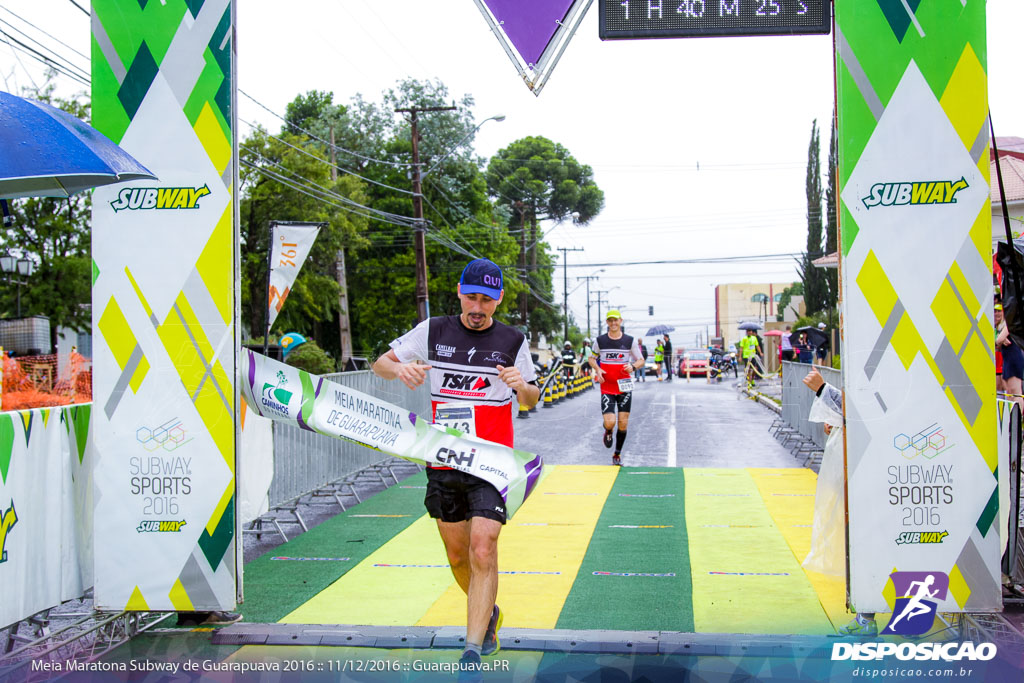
<point x="84" y="11"/>
<point x="325" y="161"/>
<point x="39" y="57"/>
<point x="318" y="139"/>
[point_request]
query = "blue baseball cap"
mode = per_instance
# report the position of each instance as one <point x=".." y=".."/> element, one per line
<point x="482" y="276"/>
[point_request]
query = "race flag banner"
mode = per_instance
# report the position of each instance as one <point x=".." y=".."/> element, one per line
<point x="287" y="394"/>
<point x="915" y="228"/>
<point x="164" y="276"/>
<point x="289" y="246"/>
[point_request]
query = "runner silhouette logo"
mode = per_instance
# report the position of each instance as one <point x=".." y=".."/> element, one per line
<point x="917" y="597"/>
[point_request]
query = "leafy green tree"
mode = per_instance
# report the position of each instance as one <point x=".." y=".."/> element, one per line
<point x="285" y="179"/>
<point x="55" y="235"/>
<point x="796" y="289"/>
<point x="815" y="291"/>
<point x="536" y="179"/>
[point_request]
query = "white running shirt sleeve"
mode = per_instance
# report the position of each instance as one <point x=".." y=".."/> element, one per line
<point x="634" y="351"/>
<point x="412" y="345"/>
<point x="524" y="363"/>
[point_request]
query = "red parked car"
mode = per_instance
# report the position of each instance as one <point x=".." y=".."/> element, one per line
<point x="696" y="362"/>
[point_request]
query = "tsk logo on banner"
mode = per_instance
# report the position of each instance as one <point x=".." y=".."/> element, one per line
<point x="7" y="522"/>
<point x="159" y="198"/>
<point x="918" y="595"/>
<point x="914" y="193"/>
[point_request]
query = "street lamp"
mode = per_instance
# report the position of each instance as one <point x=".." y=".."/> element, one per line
<point x="496" y="117"/>
<point x="23" y="266"/>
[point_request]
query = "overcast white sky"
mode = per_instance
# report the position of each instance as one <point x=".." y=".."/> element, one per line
<point x="642" y="113"/>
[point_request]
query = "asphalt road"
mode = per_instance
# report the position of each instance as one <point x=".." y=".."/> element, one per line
<point x="673" y="423"/>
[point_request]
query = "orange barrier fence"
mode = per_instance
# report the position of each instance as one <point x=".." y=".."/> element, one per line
<point x="44" y="381"/>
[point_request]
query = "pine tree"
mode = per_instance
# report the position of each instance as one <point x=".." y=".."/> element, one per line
<point x="832" y="220"/>
<point x="814" y="281"/>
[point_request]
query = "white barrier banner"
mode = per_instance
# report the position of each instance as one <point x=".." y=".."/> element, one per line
<point x="289" y="246"/>
<point x="45" y="515"/>
<point x="282" y="392"/>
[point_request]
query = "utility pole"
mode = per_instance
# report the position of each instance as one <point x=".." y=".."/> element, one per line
<point x="565" y="285"/>
<point x="588" y="278"/>
<point x="522" y="265"/>
<point x="344" y="327"/>
<point x="419" y="238"/>
<point x="600" y="300"/>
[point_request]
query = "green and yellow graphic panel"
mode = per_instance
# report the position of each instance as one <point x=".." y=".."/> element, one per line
<point x="163" y="300"/>
<point x="918" y="360"/>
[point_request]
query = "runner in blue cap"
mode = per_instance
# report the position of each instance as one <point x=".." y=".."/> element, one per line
<point x="474" y="364"/>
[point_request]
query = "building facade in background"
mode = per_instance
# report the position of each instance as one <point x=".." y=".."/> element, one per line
<point x="739" y="302"/>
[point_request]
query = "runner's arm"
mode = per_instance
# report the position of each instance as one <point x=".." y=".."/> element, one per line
<point x="636" y="358"/>
<point x="389" y="367"/>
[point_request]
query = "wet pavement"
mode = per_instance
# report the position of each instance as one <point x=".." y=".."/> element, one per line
<point x="674" y="424"/>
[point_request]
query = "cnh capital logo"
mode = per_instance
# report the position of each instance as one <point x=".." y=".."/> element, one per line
<point x="159" y="198"/>
<point x="7" y="522"/>
<point x="914" y="193"/>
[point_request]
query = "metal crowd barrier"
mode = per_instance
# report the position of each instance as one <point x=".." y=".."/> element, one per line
<point x="797" y="398"/>
<point x="312" y="469"/>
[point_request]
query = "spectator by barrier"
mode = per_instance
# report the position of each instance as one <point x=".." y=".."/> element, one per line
<point x="796" y="400"/>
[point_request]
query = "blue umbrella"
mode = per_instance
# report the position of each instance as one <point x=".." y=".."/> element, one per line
<point x="660" y="329"/>
<point x="50" y="153"/>
<point x="289" y="342"/>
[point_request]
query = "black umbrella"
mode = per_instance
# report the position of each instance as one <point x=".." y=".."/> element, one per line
<point x="660" y="329"/>
<point x="815" y="337"/>
<point x="750" y="326"/>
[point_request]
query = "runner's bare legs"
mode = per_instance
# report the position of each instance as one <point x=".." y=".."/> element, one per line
<point x="472" y="548"/>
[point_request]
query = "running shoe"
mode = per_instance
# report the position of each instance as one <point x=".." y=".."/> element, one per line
<point x="470" y="667"/>
<point x="616" y="460"/>
<point x="491" y="642"/>
<point x="607" y="439"/>
<point x="860" y="627"/>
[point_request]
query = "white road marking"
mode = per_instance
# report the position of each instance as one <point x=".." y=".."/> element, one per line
<point x="672" y="434"/>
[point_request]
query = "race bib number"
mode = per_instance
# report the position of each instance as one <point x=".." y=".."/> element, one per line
<point x="457" y="415"/>
<point x="626" y="384"/>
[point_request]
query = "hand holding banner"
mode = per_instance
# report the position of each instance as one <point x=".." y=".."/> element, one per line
<point x="287" y="394"/>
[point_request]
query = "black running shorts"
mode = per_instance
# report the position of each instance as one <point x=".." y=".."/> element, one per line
<point x="609" y="402"/>
<point x="454" y="496"/>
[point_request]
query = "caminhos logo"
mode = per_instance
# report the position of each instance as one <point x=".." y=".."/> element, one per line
<point x="7" y="522"/>
<point x="914" y="193"/>
<point x="276" y="398"/>
<point x="159" y="198"/>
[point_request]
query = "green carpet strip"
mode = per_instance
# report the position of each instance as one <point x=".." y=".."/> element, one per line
<point x="274" y="588"/>
<point x="636" y="573"/>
